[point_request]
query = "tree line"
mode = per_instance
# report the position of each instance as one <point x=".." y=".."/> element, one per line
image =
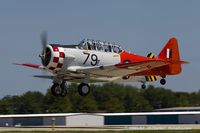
<point x="102" y="98"/>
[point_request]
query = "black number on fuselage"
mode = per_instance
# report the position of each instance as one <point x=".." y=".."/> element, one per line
<point x="88" y="54"/>
<point x="94" y="59"/>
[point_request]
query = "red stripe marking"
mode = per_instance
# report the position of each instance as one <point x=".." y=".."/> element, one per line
<point x="59" y="65"/>
<point x="55" y="49"/>
<point x="55" y="59"/>
<point x="62" y="54"/>
<point x="30" y="65"/>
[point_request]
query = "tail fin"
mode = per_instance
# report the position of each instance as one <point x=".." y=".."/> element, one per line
<point x="171" y="53"/>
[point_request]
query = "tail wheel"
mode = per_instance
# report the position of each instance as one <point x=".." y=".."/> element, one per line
<point x="83" y="89"/>
<point x="143" y="86"/>
<point x="162" y="81"/>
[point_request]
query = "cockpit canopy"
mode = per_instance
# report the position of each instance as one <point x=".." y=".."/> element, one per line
<point x="89" y="44"/>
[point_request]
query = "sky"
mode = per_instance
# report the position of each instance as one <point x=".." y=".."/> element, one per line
<point x="139" y="26"/>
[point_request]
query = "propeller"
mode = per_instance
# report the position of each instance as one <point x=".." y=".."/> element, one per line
<point x="44" y="43"/>
<point x="43" y="37"/>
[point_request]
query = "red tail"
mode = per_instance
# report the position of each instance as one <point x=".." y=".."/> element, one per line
<point x="171" y="53"/>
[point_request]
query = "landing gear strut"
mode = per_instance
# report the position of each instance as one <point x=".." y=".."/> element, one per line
<point x="143" y="86"/>
<point x="162" y="81"/>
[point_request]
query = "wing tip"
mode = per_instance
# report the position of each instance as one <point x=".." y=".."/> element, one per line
<point x="28" y="65"/>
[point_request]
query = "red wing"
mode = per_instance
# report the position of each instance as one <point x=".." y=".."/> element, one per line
<point x="31" y="65"/>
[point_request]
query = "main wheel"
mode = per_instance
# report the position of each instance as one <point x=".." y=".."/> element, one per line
<point x="83" y="89"/>
<point x="162" y="81"/>
<point x="56" y="90"/>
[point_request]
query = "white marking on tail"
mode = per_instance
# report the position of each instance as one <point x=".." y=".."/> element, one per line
<point x="168" y="53"/>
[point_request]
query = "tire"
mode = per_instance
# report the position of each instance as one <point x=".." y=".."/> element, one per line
<point x="64" y="93"/>
<point x="143" y="86"/>
<point x="83" y="89"/>
<point x="56" y="90"/>
<point x="162" y="81"/>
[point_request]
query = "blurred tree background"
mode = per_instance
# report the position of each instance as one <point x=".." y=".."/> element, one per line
<point x="102" y="98"/>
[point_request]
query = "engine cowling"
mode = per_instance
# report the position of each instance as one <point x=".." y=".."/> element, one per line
<point x="53" y="57"/>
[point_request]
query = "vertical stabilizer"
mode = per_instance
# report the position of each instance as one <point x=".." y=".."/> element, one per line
<point x="171" y="53"/>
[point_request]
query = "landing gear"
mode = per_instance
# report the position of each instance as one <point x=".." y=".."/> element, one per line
<point x="83" y="89"/>
<point x="143" y="86"/>
<point x="162" y="81"/>
<point x="63" y="86"/>
<point x="59" y="89"/>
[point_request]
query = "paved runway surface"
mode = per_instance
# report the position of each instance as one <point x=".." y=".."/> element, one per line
<point x="114" y="128"/>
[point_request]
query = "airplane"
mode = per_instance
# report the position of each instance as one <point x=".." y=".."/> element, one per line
<point x="93" y="61"/>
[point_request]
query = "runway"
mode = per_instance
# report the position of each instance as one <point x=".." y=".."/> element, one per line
<point x="107" y="128"/>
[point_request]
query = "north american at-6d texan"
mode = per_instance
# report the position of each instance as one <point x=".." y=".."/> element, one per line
<point x="93" y="61"/>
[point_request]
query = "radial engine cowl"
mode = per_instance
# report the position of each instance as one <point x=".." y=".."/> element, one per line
<point x="54" y="57"/>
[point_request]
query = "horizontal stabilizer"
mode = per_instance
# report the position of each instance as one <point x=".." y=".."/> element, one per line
<point x="43" y="76"/>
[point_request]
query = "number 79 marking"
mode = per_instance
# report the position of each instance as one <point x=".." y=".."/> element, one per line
<point x="94" y="59"/>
